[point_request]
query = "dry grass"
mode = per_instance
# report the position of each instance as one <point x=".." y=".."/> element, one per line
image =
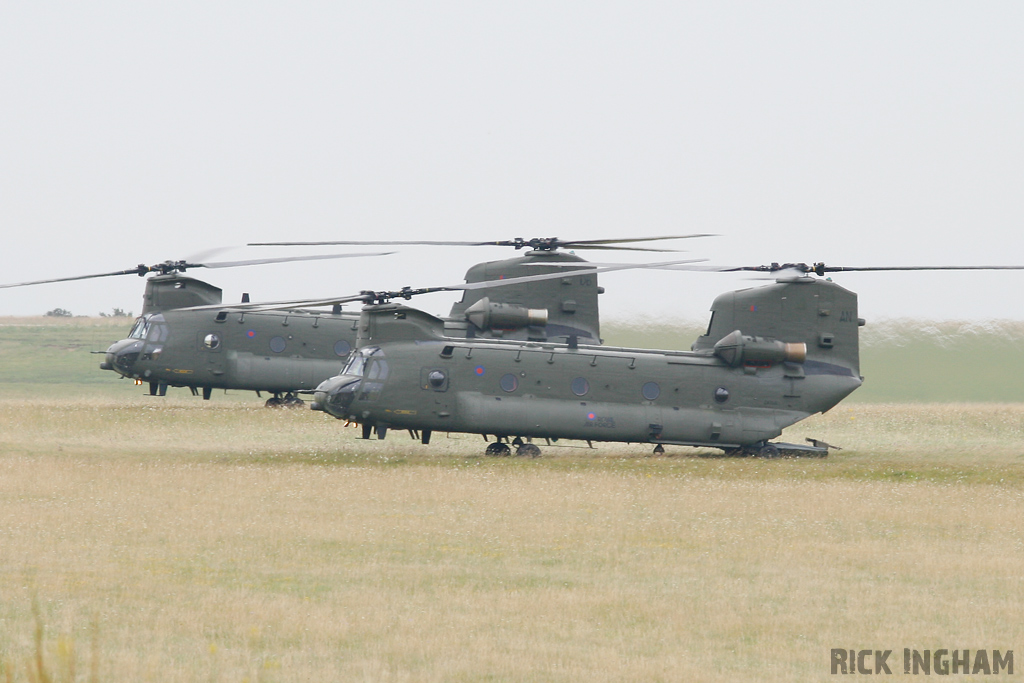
<point x="219" y="542"/>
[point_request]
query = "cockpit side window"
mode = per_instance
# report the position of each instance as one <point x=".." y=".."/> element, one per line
<point x="157" y="329"/>
<point x="378" y="370"/>
<point x="139" y="329"/>
<point x="357" y="363"/>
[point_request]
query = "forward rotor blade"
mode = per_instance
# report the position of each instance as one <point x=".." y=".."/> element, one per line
<point x="172" y="266"/>
<point x="431" y="243"/>
<point x="133" y="271"/>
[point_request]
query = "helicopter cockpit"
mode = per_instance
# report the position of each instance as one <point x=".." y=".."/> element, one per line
<point x="364" y="374"/>
<point x="145" y="341"/>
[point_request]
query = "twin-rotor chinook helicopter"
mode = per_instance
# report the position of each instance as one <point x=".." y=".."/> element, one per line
<point x="186" y="337"/>
<point x="173" y="344"/>
<point x="771" y="356"/>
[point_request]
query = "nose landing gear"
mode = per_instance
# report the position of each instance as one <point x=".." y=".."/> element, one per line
<point x="289" y="400"/>
<point x="523" y="448"/>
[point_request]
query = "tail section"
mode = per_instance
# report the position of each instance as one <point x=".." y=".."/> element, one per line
<point x="815" y="312"/>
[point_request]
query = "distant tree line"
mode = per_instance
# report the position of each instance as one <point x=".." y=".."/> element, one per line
<point x="64" y="313"/>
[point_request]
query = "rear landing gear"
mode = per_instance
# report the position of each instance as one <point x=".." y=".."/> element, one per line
<point x="763" y="449"/>
<point x="528" y="450"/>
<point x="498" y="448"/>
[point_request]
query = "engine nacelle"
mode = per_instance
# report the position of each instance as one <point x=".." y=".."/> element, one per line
<point x="737" y="348"/>
<point x="491" y="316"/>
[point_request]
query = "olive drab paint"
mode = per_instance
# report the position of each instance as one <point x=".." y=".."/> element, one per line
<point x="791" y="355"/>
<point x="166" y="292"/>
<point x="282" y="352"/>
<point x="571" y="301"/>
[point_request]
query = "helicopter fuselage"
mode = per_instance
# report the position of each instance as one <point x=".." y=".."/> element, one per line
<point x="257" y="351"/>
<point x="183" y="339"/>
<point x="733" y="390"/>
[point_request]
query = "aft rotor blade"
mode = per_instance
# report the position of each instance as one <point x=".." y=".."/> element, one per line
<point x="587" y="271"/>
<point x="575" y="244"/>
<point x="821" y="268"/>
<point x="838" y="269"/>
<point x="774" y="270"/>
<point x="544" y="243"/>
<point x="284" y="259"/>
<point x="409" y="292"/>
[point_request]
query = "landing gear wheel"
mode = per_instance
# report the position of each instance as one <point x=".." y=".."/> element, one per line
<point x="293" y="402"/>
<point x="274" y="402"/>
<point x="769" y="451"/>
<point x="528" y="450"/>
<point x="498" y="448"/>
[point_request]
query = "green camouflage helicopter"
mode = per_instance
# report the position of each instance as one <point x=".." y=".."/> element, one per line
<point x="185" y="336"/>
<point x="170" y="343"/>
<point x="771" y="356"/>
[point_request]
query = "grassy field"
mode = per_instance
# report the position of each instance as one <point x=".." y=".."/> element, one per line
<point x="179" y="540"/>
<point x="182" y="541"/>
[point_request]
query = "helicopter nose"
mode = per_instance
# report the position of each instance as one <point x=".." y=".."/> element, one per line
<point x="334" y="395"/>
<point x="121" y="356"/>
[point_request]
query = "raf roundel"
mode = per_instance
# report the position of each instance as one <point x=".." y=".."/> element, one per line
<point x="479" y="370"/>
<point x="591" y="416"/>
<point x="251" y="334"/>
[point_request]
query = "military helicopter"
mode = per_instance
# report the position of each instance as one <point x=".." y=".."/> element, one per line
<point x="771" y="356"/>
<point x="172" y="344"/>
<point x="181" y="341"/>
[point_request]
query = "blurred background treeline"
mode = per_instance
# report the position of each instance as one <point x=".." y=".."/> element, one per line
<point x="902" y="360"/>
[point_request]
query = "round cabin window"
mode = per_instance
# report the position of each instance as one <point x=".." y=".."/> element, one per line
<point x="580" y="386"/>
<point x="342" y="348"/>
<point x="277" y="344"/>
<point x="509" y="383"/>
<point x="211" y="341"/>
<point x="721" y="394"/>
<point x="651" y="391"/>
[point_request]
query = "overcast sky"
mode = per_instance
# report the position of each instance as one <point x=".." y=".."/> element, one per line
<point x="858" y="133"/>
